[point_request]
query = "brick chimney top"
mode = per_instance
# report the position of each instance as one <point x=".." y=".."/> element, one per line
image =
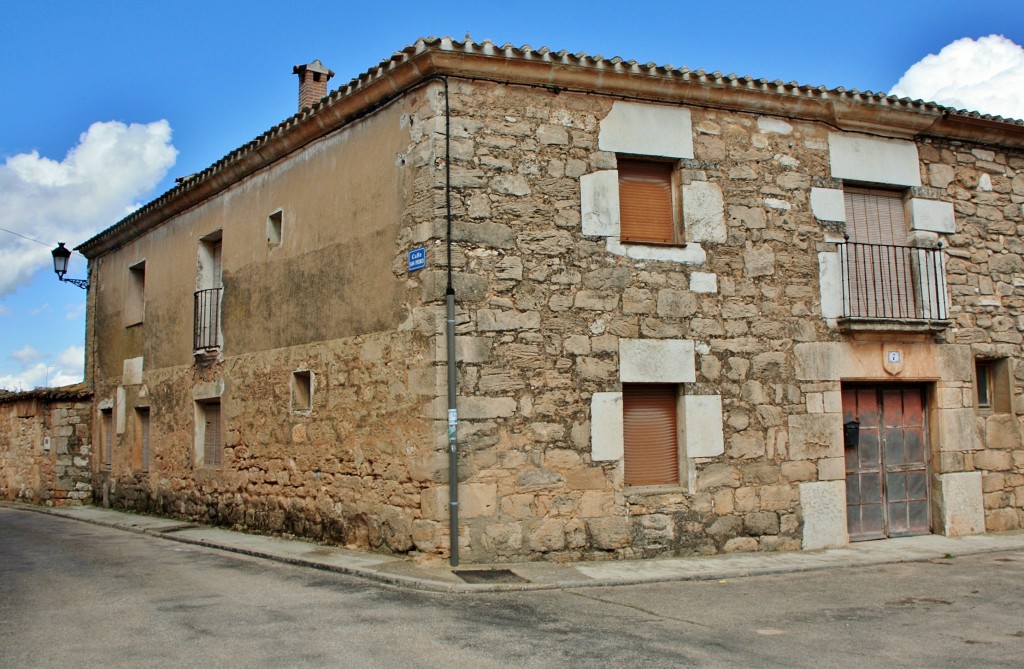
<point x="313" y="78"/>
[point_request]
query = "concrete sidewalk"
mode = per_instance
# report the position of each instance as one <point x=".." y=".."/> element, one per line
<point x="440" y="577"/>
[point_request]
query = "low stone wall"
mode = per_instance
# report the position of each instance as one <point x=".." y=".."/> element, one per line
<point x="45" y="446"/>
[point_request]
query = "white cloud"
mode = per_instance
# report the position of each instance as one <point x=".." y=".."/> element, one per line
<point x="96" y="184"/>
<point x="985" y="75"/>
<point x="26" y="354"/>
<point x="4" y="311"/>
<point x="37" y="372"/>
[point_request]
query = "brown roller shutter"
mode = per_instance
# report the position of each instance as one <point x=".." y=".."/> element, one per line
<point x="211" y="436"/>
<point x="649" y="431"/>
<point x="645" y="202"/>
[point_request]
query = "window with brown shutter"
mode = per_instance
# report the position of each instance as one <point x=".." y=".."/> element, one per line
<point x="646" y="205"/>
<point x="210" y="443"/>
<point x="651" y="455"/>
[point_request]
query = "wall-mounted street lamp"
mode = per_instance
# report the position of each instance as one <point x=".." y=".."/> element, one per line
<point x="60" y="266"/>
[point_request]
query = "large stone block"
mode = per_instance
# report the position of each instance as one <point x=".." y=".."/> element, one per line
<point x="657" y="361"/>
<point x="956" y="429"/>
<point x="873" y="159"/>
<point x="959" y="503"/>
<point x="1002" y="432"/>
<point x="819" y="361"/>
<point x="599" y="203"/>
<point x="489" y="320"/>
<point x="813" y="436"/>
<point x="932" y="215"/>
<point x="824" y="512"/>
<point x="647" y="129"/>
<point x="828" y="204"/>
<point x="610" y="533"/>
<point x="606" y="441"/>
<point x="704" y="212"/>
<point x="703" y="429"/>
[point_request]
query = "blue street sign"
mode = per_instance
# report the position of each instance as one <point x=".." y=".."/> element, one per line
<point x="417" y="259"/>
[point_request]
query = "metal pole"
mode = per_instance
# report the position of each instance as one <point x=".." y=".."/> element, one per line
<point x="453" y="444"/>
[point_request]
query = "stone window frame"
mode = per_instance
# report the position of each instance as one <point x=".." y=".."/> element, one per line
<point x="205" y="395"/>
<point x="862" y="161"/>
<point x="993" y="375"/>
<point x="698" y="417"/>
<point x="640" y="130"/>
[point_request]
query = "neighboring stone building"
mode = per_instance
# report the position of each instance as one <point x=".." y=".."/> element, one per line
<point x="695" y="313"/>
<point x="46" y="448"/>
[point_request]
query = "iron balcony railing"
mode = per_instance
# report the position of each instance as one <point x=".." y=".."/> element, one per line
<point x="206" y="334"/>
<point x="884" y="281"/>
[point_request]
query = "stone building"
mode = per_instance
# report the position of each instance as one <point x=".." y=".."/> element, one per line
<point x="692" y="314"/>
<point x="45" y="447"/>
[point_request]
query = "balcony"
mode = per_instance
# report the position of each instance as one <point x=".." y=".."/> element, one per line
<point x="887" y="287"/>
<point x="206" y="333"/>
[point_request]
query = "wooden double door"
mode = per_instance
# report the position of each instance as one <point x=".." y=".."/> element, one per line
<point x="886" y="449"/>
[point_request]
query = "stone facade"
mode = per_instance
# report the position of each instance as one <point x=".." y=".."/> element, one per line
<point x="46" y="456"/>
<point x="555" y="316"/>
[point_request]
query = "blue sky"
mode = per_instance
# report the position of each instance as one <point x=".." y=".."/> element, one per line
<point x="175" y="86"/>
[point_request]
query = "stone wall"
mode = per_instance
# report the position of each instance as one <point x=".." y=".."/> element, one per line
<point x="550" y="306"/>
<point x="45" y="446"/>
<point x="986" y="261"/>
<point x="545" y="303"/>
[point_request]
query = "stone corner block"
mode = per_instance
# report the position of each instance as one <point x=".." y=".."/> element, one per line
<point x="824" y="511"/>
<point x="828" y="204"/>
<point x="705" y="436"/>
<point x="932" y="215"/>
<point x="606" y="440"/>
<point x="960" y="503"/>
<point x="599" y="203"/>
<point x="704" y="212"/>
<point x="657" y="361"/>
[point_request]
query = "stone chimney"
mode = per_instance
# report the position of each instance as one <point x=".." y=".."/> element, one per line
<point x="312" y="82"/>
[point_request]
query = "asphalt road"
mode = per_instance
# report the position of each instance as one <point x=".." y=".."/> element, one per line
<point x="79" y="595"/>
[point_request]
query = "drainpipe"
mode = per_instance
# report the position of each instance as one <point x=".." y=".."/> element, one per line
<point x="449" y="298"/>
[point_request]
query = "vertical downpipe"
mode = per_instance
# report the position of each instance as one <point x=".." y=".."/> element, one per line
<point x="449" y="295"/>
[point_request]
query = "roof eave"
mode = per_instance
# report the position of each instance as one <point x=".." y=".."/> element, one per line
<point x="854" y="111"/>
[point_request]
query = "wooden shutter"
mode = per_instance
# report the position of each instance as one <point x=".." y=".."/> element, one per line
<point x="650" y="436"/>
<point x="875" y="216"/>
<point x="211" y="436"/>
<point x="645" y="202"/>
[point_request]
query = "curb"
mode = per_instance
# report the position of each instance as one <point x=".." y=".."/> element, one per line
<point x="732" y="566"/>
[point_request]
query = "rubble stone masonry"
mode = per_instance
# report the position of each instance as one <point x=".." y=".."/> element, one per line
<point x="546" y="304"/>
<point x="45" y="448"/>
